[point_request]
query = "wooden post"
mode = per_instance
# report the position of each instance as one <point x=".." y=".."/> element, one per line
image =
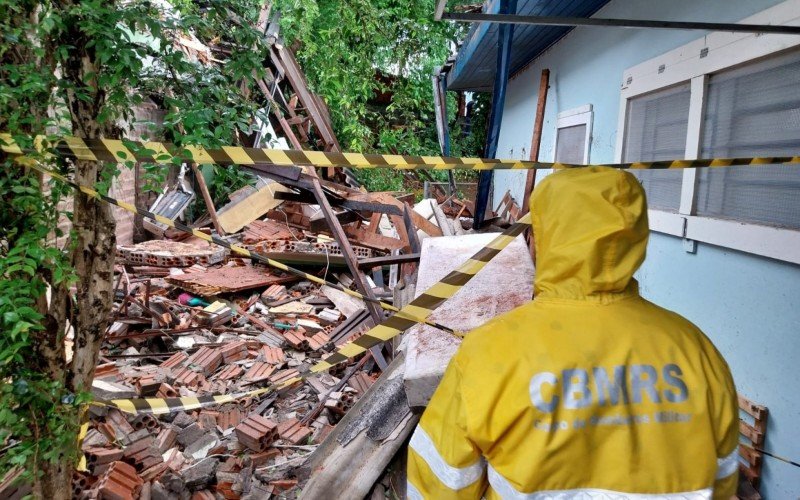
<point x="536" y="141"/>
<point x="201" y="182"/>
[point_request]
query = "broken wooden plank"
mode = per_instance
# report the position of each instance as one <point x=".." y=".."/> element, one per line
<point x="229" y="279"/>
<point x="251" y="204"/>
<point x="318" y="222"/>
<point x="387" y="260"/>
<point x="212" y="211"/>
<point x="352" y="263"/>
<point x="372" y="240"/>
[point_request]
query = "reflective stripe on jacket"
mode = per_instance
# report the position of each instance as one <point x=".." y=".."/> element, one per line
<point x="589" y="391"/>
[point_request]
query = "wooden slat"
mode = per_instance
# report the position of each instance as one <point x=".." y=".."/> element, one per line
<point x="371" y="240"/>
<point x="758" y="412"/>
<point x="749" y="473"/>
<point x="421" y="222"/>
<point x="387" y="260"/>
<point x="399" y="226"/>
<point x="751" y="433"/>
<point x="752" y="456"/>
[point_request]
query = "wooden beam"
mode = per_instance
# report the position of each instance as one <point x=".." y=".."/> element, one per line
<point x="201" y="182"/>
<point x="318" y="224"/>
<point x="374" y="240"/>
<point x="350" y="258"/>
<point x="387" y="260"/>
<point x="411" y="228"/>
<point x="536" y="140"/>
<point x="276" y="111"/>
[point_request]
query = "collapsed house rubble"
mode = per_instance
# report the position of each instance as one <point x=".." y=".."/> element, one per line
<point x="192" y="320"/>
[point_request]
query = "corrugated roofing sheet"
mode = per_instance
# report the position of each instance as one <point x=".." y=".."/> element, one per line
<point x="475" y="63"/>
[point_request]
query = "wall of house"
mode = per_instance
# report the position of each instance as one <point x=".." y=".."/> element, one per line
<point x="123" y="186"/>
<point x="747" y="305"/>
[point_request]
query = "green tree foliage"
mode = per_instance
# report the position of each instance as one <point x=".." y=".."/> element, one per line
<point x="344" y="45"/>
<point x="80" y="68"/>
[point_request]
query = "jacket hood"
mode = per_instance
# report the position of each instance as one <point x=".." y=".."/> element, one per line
<point x="590" y="231"/>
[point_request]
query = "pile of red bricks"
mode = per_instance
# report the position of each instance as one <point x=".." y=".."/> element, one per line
<point x="167" y="345"/>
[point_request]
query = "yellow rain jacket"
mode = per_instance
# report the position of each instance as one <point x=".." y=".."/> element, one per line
<point x="589" y="391"/>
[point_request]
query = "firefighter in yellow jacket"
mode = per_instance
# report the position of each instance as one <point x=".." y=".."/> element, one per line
<point x="589" y="391"/>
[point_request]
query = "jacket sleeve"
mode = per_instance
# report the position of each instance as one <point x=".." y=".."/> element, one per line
<point x="727" y="436"/>
<point x="442" y="461"/>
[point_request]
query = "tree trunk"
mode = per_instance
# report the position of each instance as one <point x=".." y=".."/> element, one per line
<point x="56" y="481"/>
<point x="50" y="352"/>
<point x="93" y="256"/>
<point x="93" y="259"/>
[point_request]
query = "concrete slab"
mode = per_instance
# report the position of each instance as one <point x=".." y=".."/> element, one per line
<point x="505" y="283"/>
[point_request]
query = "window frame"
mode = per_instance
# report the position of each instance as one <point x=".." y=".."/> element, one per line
<point x="693" y="63"/>
<point x="583" y="115"/>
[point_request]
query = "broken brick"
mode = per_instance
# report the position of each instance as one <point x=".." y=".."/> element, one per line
<point x="225" y="489"/>
<point x="153" y="472"/>
<point x="175" y="361"/>
<point x="256" y="432"/>
<point x="203" y="495"/>
<point x="317" y="341"/>
<point x="228" y="419"/>
<point x="207" y="419"/>
<point x="292" y="431"/>
<point x="149" y="384"/>
<point x="144" y="421"/>
<point x="295" y="339"/>
<point x="335" y="403"/>
<point x="283" y="377"/>
<point x="143" y="454"/>
<point x="174" y="459"/>
<point x="166" y="391"/>
<point x="100" y="456"/>
<point x="284" y="484"/>
<point x="166" y="439"/>
<point x="206" y="359"/>
<point x="230" y="372"/>
<point x="261" y="458"/>
<point x="259" y="371"/>
<point x="234" y="351"/>
<point x="272" y="355"/>
<point x="189" y="378"/>
<point x="119" y="482"/>
<point x="107" y="371"/>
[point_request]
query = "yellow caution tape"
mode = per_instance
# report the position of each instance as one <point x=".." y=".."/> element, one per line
<point x="415" y="312"/>
<point x="427" y="302"/>
<point x="119" y="151"/>
<point x="218" y="241"/>
<point x="420" y="307"/>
